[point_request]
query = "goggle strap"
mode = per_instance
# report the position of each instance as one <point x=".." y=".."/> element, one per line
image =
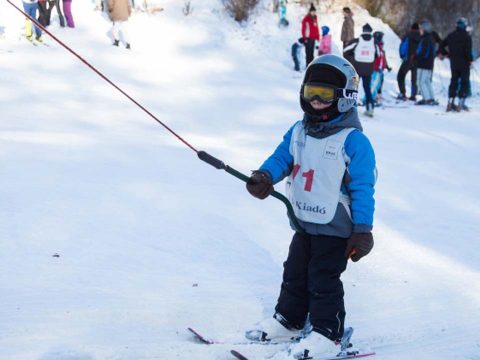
<point x="346" y="94"/>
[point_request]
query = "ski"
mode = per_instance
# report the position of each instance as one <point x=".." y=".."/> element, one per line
<point x="208" y="341"/>
<point x="347" y="356"/>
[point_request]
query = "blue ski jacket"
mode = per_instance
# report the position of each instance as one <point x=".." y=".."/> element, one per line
<point x="359" y="179"/>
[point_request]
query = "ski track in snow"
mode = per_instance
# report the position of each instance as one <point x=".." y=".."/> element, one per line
<point x="115" y="238"/>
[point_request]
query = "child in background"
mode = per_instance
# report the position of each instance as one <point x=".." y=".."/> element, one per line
<point x="296" y="53"/>
<point x="325" y="46"/>
<point x="379" y="66"/>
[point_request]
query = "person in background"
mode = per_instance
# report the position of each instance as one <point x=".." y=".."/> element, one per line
<point x="119" y="12"/>
<point x="43" y="13"/>
<point x="379" y="66"/>
<point x="30" y="7"/>
<point x="56" y="4"/>
<point x="67" y="10"/>
<point x="362" y="53"/>
<point x="408" y="49"/>
<point x="348" y="27"/>
<point x="425" y="55"/>
<point x="296" y="53"/>
<point x="459" y="44"/>
<point x="310" y="33"/>
<point x="325" y="46"/>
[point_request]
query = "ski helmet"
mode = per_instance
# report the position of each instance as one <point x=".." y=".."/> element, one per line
<point x="378" y="36"/>
<point x="426" y="26"/>
<point x="340" y="74"/>
<point x="462" y="23"/>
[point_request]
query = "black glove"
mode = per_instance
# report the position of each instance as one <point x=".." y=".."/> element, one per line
<point x="359" y="245"/>
<point x="260" y="184"/>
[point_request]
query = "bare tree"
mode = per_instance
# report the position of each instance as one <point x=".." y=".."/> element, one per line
<point x="240" y="9"/>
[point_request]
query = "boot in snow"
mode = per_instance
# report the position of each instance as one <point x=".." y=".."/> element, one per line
<point x="462" y="106"/>
<point x="274" y="329"/>
<point x="315" y="346"/>
<point x="116" y="43"/>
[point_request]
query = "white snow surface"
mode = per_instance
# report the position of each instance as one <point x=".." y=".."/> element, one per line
<point x="114" y="237"/>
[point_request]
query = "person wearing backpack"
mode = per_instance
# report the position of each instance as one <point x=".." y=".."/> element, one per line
<point x="459" y="44"/>
<point x="362" y="52"/>
<point x="407" y="50"/>
<point x="425" y="55"/>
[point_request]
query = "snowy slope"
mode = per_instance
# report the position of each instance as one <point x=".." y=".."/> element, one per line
<point x="115" y="237"/>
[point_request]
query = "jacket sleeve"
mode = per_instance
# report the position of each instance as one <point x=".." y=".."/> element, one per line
<point x="361" y="178"/>
<point x="304" y="28"/>
<point x="469" y="53"/>
<point x="280" y="163"/>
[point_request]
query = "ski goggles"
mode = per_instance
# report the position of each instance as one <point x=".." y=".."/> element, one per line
<point x="326" y="93"/>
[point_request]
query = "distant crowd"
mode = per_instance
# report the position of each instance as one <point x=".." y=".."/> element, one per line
<point x="118" y="11"/>
<point x="418" y="50"/>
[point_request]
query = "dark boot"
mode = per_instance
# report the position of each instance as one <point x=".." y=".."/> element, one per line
<point x="116" y="43"/>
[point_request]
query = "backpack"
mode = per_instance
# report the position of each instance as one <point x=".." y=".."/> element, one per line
<point x="403" y="49"/>
<point x="426" y="55"/>
<point x="365" y="51"/>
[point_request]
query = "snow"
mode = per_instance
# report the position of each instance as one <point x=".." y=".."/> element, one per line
<point x="115" y="238"/>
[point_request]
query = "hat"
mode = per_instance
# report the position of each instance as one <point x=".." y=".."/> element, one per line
<point x="415" y="27"/>
<point x="367" y="28"/>
<point x="312" y="7"/>
<point x="301" y="40"/>
<point x="462" y="23"/>
<point x="325" y="30"/>
<point x="347" y="10"/>
<point x="378" y="36"/>
<point x="426" y="26"/>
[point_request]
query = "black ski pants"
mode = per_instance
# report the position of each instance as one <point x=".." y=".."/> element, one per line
<point x="367" y="88"/>
<point x="402" y="74"/>
<point x="309" y="50"/>
<point x="312" y="286"/>
<point x="462" y="74"/>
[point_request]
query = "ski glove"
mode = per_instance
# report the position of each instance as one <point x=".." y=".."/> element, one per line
<point x="260" y="184"/>
<point x="359" y="245"/>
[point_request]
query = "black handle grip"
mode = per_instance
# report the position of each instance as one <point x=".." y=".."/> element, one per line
<point x="211" y="160"/>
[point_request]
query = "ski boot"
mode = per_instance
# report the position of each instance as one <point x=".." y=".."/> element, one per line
<point x="275" y="329"/>
<point x="128" y="46"/>
<point x="402" y="97"/>
<point x="451" y="105"/>
<point x="313" y="346"/>
<point x="462" y="106"/>
<point x="116" y="42"/>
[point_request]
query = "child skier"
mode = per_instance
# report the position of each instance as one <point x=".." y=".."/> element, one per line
<point x="379" y="66"/>
<point x="296" y="53"/>
<point x="330" y="166"/>
<point x="325" y="46"/>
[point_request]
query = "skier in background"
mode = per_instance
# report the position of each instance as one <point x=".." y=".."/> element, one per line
<point x="379" y="66"/>
<point x="459" y="44"/>
<point x="56" y="4"/>
<point x="67" y="10"/>
<point x="325" y="46"/>
<point x="362" y="52"/>
<point x="348" y="27"/>
<point x="30" y="7"/>
<point x="310" y="33"/>
<point x="408" y="49"/>
<point x="282" y="12"/>
<point x="425" y="55"/>
<point x="296" y="53"/>
<point x="330" y="166"/>
<point x="119" y="12"/>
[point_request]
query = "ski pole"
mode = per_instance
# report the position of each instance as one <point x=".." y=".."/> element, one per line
<point x="201" y="154"/>
<point x="220" y="165"/>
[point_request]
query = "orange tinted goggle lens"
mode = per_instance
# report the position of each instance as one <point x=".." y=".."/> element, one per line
<point x="323" y="92"/>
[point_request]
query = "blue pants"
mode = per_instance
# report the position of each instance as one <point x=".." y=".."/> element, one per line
<point x="31" y="10"/>
<point x="296" y="62"/>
